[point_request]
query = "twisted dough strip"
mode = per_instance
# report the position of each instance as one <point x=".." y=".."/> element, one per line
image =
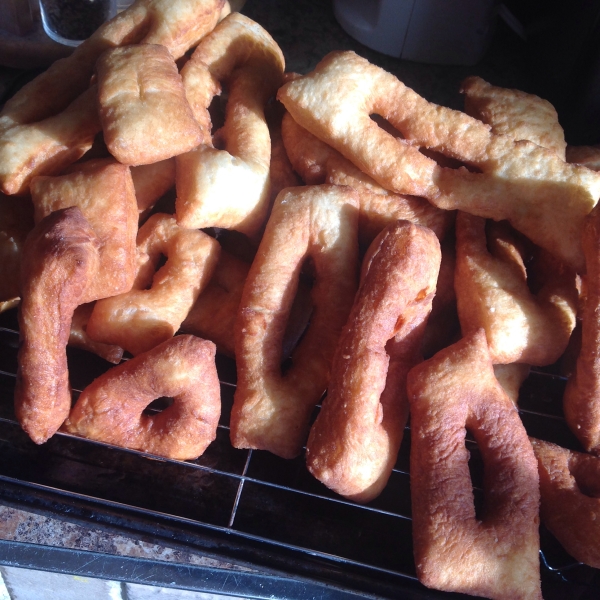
<point x="52" y="121"/>
<point x="570" y="491"/>
<point x="271" y="410"/>
<point x="541" y="195"/>
<point x="354" y="442"/>
<point x="111" y="408"/>
<point x="494" y="555"/>
<point x="158" y="303"/>
<point x="60" y="259"/>
<point x="492" y="292"/>
<point x="229" y="187"/>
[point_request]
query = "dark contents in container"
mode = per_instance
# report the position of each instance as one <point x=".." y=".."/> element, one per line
<point x="75" y="19"/>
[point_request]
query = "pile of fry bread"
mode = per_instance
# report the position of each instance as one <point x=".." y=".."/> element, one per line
<point x="410" y="260"/>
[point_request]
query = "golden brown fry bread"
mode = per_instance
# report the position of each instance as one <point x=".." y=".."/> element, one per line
<point x="79" y="338"/>
<point x="542" y="196"/>
<point x="47" y="125"/>
<point x="60" y="258"/>
<point x="514" y="113"/>
<point x="227" y="185"/>
<point x="492" y="292"/>
<point x="570" y="492"/>
<point x="316" y="162"/>
<point x="354" y="442"/>
<point x="111" y="408"/>
<point x="589" y="156"/>
<point x="104" y="192"/>
<point x="494" y="555"/>
<point x="151" y="182"/>
<point x="16" y="221"/>
<point x="153" y="310"/>
<point x="143" y="109"/>
<point x="271" y="410"/>
<point x="581" y="400"/>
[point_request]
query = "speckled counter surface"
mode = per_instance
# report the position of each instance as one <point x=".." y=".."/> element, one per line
<point x="306" y="30"/>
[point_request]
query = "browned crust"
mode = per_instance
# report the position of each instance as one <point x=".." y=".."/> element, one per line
<point x="60" y="258"/>
<point x="354" y="441"/>
<point x="495" y="555"/>
<point x="183" y="368"/>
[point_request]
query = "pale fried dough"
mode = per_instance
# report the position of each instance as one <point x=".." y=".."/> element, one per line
<point x="570" y="493"/>
<point x="59" y="260"/>
<point x="104" y="192"/>
<point x="151" y="182"/>
<point x="541" y="195"/>
<point x="111" y="408"/>
<point x="495" y="554"/>
<point x="316" y="162"/>
<point x="78" y="337"/>
<point x="354" y="442"/>
<point x="153" y="310"/>
<point x="514" y="113"/>
<point x="143" y="109"/>
<point x="48" y="124"/>
<point x="227" y="185"/>
<point x="271" y="409"/>
<point x="492" y="292"/>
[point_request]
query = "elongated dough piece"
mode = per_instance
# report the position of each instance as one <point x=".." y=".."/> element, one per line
<point x="225" y="182"/>
<point x="271" y="409"/>
<point x="495" y="554"/>
<point x="542" y="196"/>
<point x="60" y="258"/>
<point x="354" y="442"/>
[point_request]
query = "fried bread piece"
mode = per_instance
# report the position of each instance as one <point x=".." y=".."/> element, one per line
<point x="272" y="409"/>
<point x="570" y="492"/>
<point x="354" y="442"/>
<point x="143" y="109"/>
<point x="60" y="259"/>
<point x="495" y="554"/>
<point x="110" y="409"/>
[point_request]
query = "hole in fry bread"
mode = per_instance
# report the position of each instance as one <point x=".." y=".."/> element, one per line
<point x="157" y="406"/>
<point x="386" y="126"/>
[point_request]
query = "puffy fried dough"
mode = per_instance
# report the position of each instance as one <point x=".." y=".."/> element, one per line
<point x="494" y="555"/>
<point x="511" y="378"/>
<point x="16" y="221"/>
<point x="60" y="258"/>
<point x="143" y="109"/>
<point x="570" y="492"/>
<point x="531" y="186"/>
<point x="153" y="310"/>
<point x="227" y="185"/>
<point x="111" y="408"/>
<point x="354" y="442"/>
<point x="492" y="292"/>
<point x="52" y="120"/>
<point x="581" y="400"/>
<point x="151" y="182"/>
<point x="514" y="113"/>
<point x="316" y="162"/>
<point x="271" y="410"/>
<point x="103" y="190"/>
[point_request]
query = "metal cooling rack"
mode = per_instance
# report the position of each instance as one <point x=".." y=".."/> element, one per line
<point x="251" y="507"/>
